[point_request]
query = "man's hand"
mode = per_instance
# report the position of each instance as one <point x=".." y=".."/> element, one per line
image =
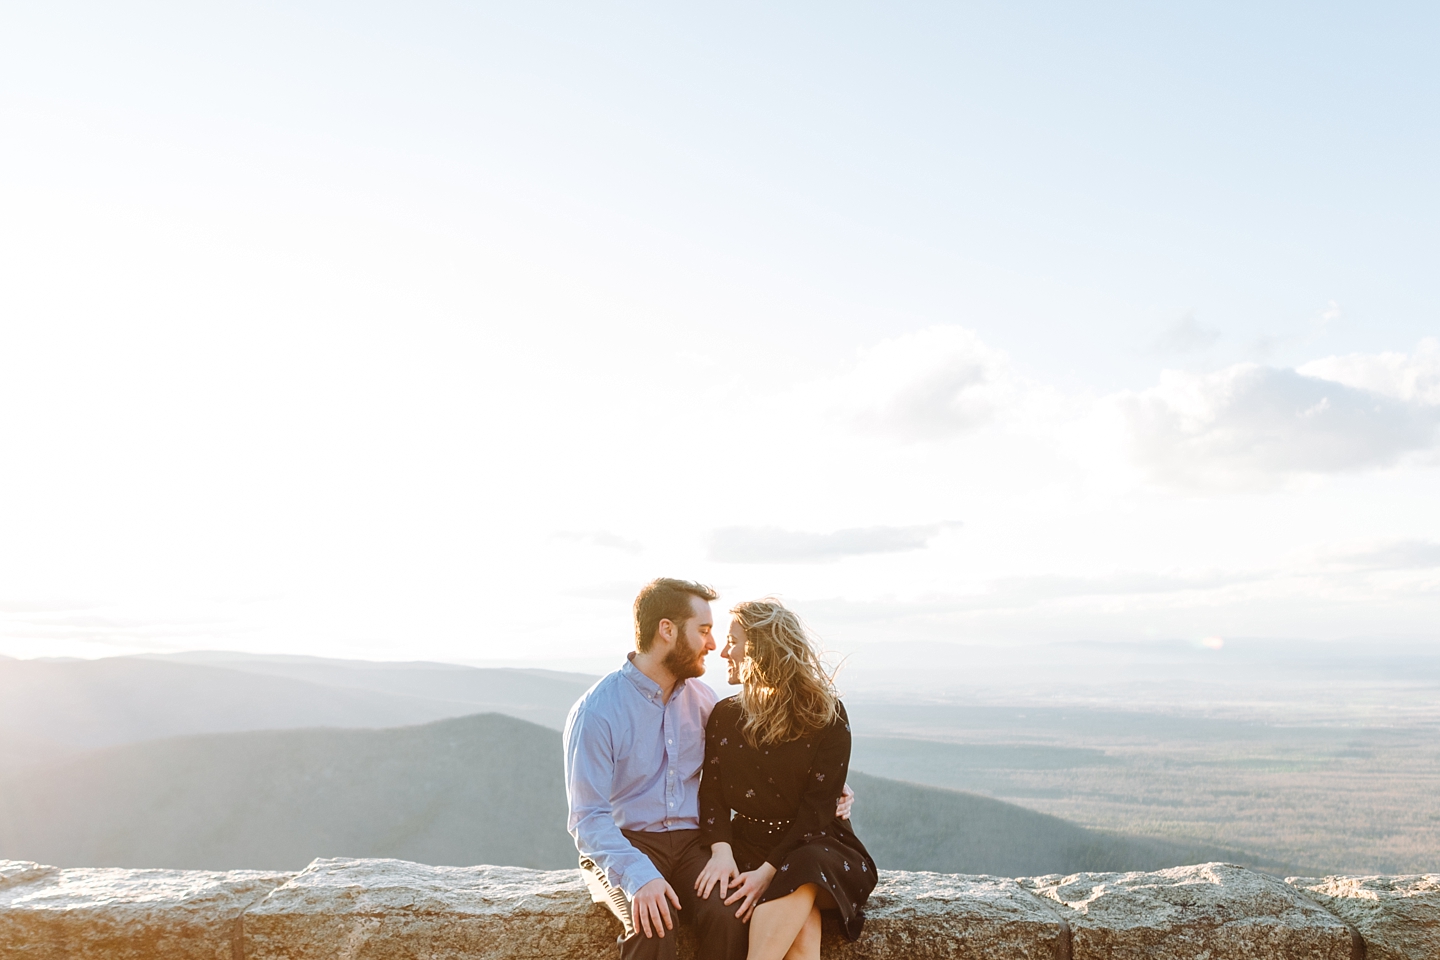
<point x="846" y="801"/>
<point x="752" y="887"/>
<point x="648" y="909"/>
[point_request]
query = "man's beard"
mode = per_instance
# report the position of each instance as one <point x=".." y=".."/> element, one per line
<point x="684" y="661"/>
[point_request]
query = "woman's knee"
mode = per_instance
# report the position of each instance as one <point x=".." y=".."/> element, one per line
<point x="805" y="893"/>
<point x="791" y="906"/>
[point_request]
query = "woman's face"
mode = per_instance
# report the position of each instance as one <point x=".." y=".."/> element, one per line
<point x="734" y="651"/>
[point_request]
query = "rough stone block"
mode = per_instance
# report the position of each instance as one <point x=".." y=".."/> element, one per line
<point x="119" y="914"/>
<point x="920" y="916"/>
<point x="1399" y="917"/>
<point x="392" y="909"/>
<point x="1213" y="911"/>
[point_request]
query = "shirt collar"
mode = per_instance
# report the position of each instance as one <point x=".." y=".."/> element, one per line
<point x="644" y="684"/>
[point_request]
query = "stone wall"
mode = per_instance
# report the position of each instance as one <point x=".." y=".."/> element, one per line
<point x="390" y="909"/>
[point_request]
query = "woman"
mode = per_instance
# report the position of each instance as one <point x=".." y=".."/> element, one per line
<point x="777" y="755"/>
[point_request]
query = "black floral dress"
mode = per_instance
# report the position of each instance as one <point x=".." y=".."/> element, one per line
<point x="784" y="799"/>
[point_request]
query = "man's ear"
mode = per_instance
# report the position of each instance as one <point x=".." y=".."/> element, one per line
<point x="666" y="631"/>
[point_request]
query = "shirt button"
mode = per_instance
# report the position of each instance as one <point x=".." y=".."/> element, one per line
<point x="670" y="742"/>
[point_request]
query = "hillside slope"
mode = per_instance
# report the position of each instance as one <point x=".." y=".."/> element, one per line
<point x="478" y="789"/>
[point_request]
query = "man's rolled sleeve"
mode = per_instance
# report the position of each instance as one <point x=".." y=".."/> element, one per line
<point x="589" y="773"/>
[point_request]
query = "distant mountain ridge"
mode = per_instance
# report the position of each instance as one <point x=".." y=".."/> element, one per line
<point x="477" y="789"/>
<point x="93" y="703"/>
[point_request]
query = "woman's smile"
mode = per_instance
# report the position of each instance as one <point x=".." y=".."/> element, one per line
<point x="734" y="652"/>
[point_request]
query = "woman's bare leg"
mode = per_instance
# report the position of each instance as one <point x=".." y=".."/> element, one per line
<point x="807" y="942"/>
<point x="775" y="926"/>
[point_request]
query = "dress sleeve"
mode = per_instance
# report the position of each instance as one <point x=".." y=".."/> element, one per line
<point x="823" y="783"/>
<point x="714" y="811"/>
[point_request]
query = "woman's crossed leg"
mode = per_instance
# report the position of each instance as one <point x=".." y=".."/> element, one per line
<point x="788" y="928"/>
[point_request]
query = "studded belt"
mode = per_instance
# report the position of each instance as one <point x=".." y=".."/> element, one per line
<point x="771" y="824"/>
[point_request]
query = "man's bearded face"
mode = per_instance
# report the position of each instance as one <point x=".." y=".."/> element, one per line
<point x="687" y="658"/>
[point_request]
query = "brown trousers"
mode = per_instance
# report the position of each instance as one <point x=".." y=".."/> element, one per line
<point x="680" y="855"/>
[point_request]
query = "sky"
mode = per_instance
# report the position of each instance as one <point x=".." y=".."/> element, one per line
<point x="431" y="331"/>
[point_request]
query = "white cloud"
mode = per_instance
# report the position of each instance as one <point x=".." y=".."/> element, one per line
<point x="1186" y="335"/>
<point x="929" y="385"/>
<point x="1250" y="425"/>
<point x="1242" y="427"/>
<point x="613" y="590"/>
<point x="1021" y="591"/>
<point x="1387" y="555"/>
<point x="43" y="606"/>
<point x="1413" y="378"/>
<point x="124" y="633"/>
<point x="774" y="545"/>
<point x="1328" y="317"/>
<point x="603" y="539"/>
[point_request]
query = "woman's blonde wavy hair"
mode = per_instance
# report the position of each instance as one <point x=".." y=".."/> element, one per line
<point x="786" y="691"/>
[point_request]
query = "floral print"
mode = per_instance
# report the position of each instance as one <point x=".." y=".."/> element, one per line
<point x="783" y="798"/>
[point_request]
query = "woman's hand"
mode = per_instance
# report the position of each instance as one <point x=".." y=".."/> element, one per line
<point x="752" y="887"/>
<point x="846" y="801"/>
<point x="721" y="869"/>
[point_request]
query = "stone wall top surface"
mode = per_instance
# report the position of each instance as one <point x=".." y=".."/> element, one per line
<point x="353" y="886"/>
<point x="118" y="891"/>
<point x="119" y="914"/>
<point x="22" y="871"/>
<point x="392" y="909"/>
<point x="1398" y="917"/>
<point x="1207" y="910"/>
<point x="1210" y="893"/>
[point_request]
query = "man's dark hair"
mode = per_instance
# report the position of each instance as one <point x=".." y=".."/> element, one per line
<point x="665" y="598"/>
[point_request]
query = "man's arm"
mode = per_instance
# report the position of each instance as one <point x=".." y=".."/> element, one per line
<point x="589" y="775"/>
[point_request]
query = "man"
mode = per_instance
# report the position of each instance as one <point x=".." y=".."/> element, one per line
<point x="634" y="746"/>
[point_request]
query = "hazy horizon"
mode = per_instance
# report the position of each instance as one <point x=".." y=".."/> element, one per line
<point x="1266" y="681"/>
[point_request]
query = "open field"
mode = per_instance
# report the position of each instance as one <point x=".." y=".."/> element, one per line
<point x="1343" y="797"/>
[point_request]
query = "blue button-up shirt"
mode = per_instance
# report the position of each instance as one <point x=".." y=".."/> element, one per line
<point x="632" y="762"/>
